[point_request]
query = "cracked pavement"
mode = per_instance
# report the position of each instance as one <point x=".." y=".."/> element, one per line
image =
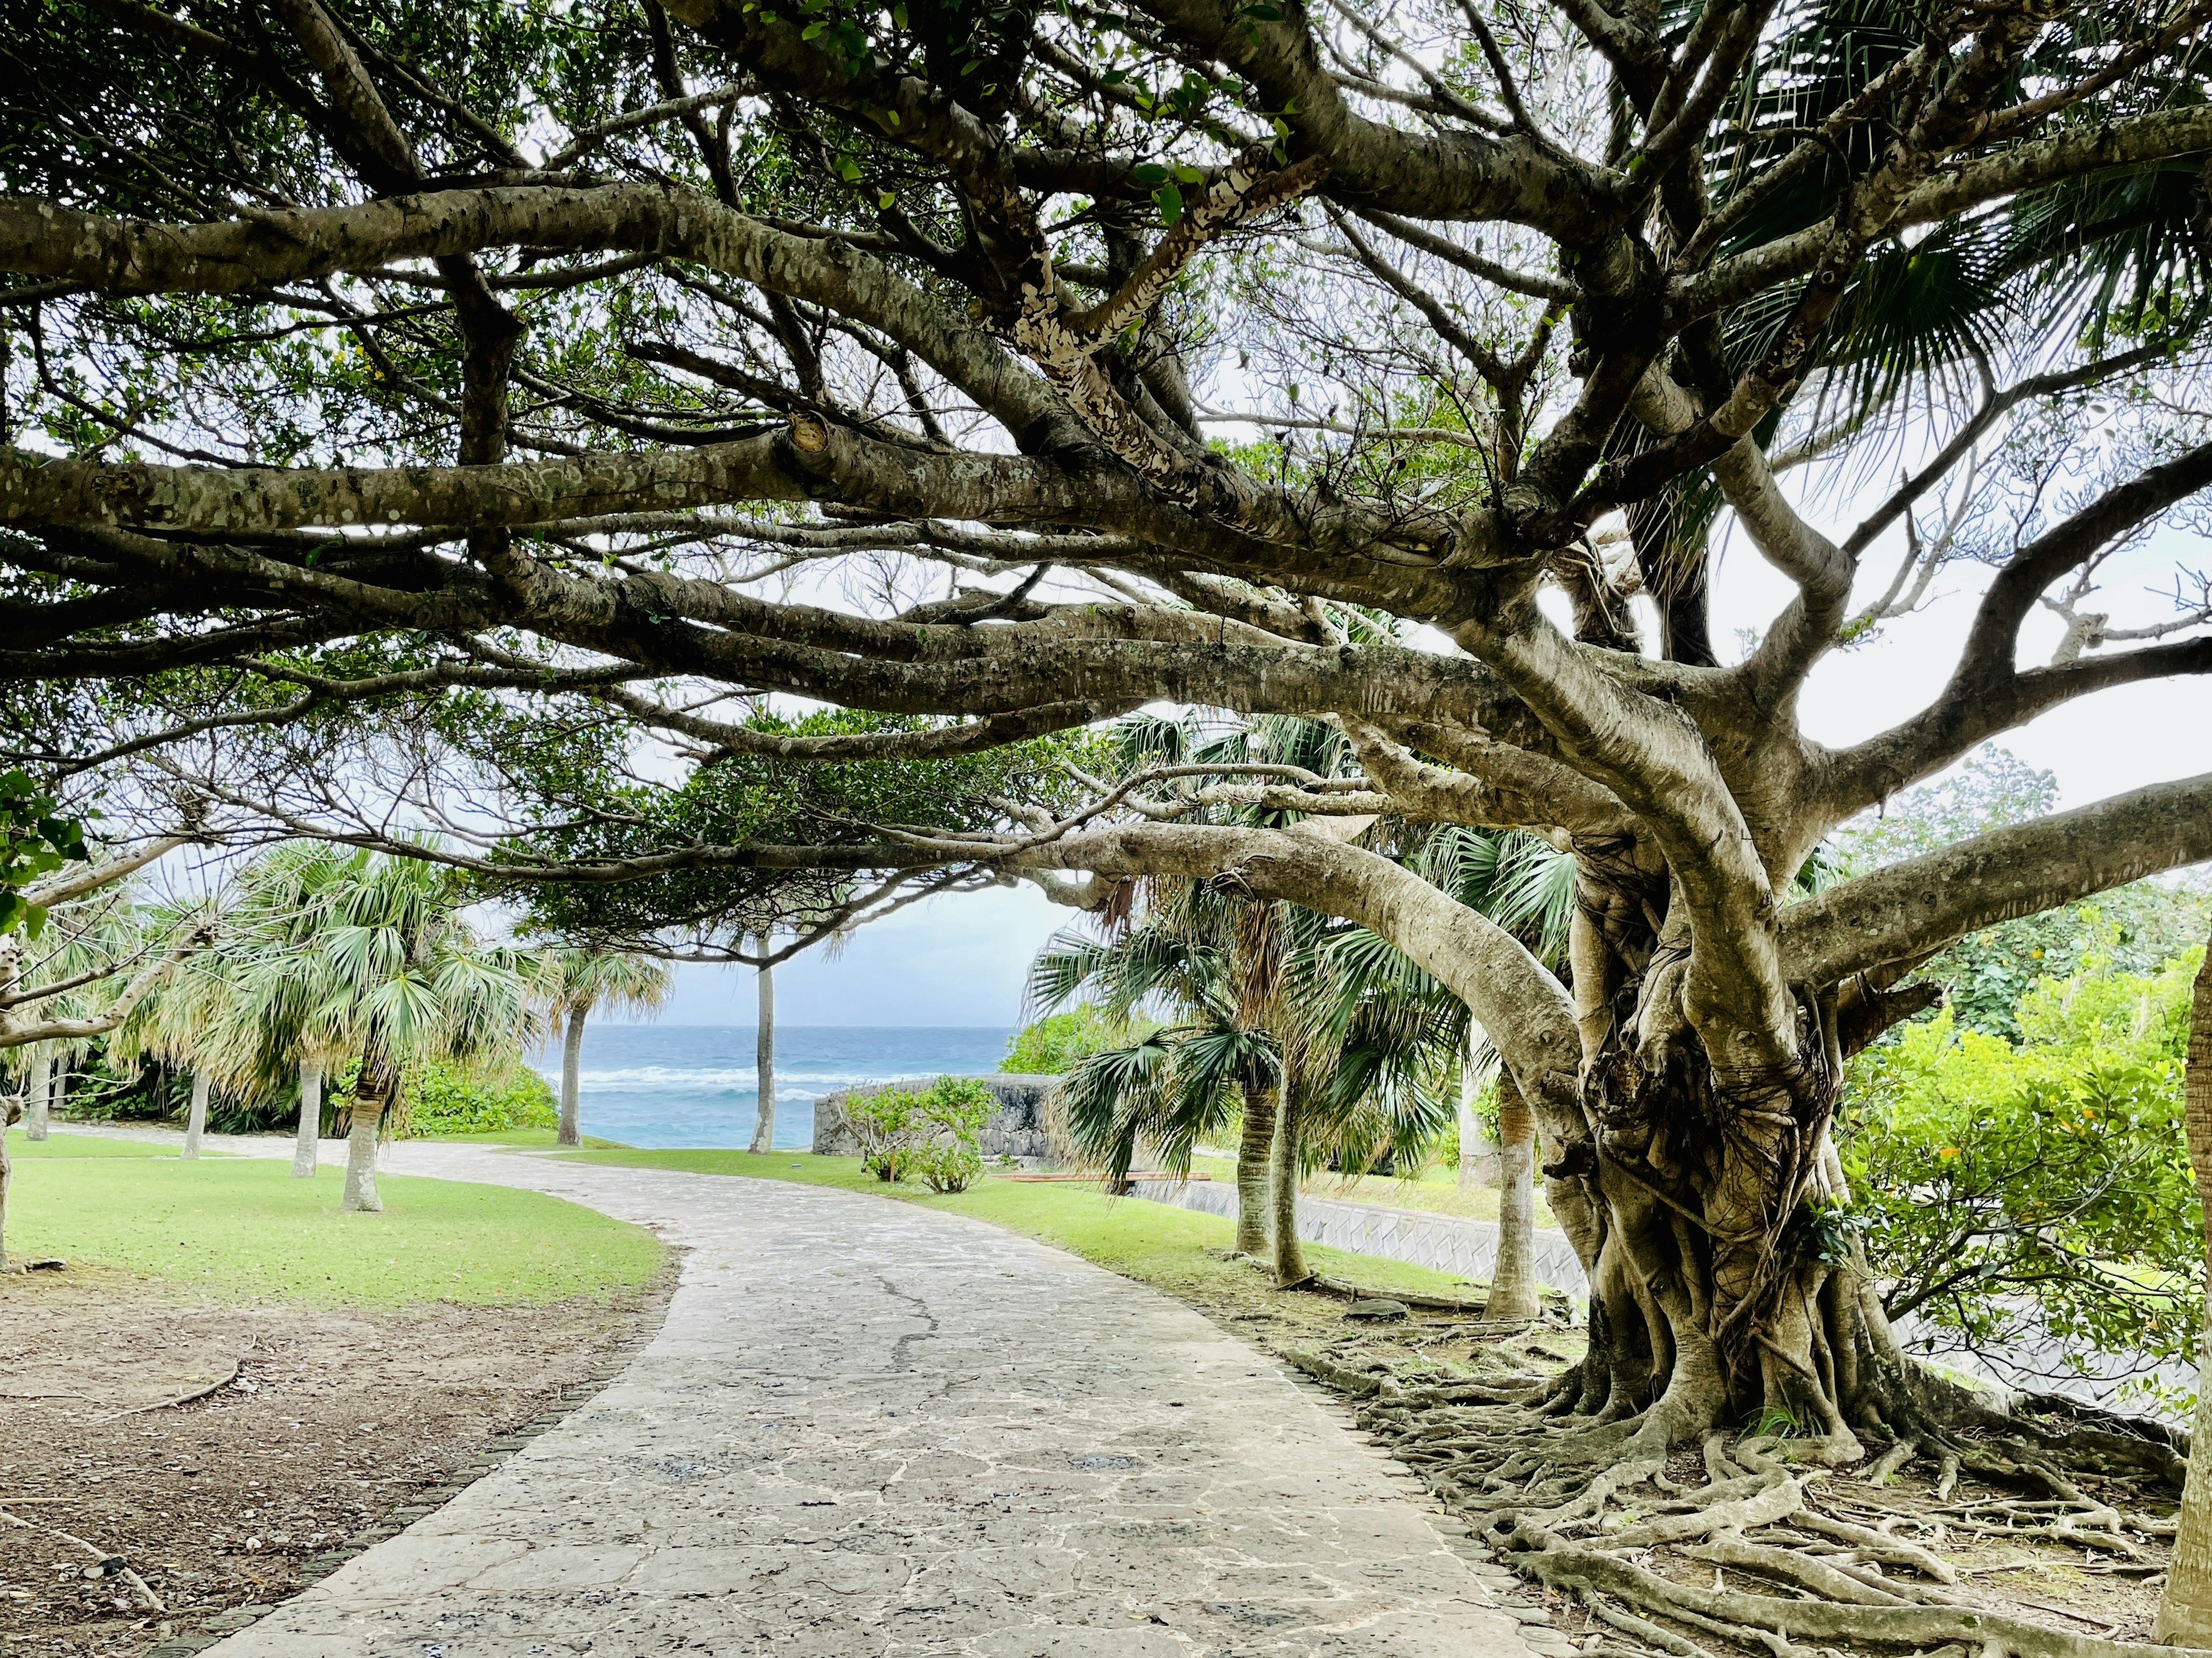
<point x="867" y="1428"/>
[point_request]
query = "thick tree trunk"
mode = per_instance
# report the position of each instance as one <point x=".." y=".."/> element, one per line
<point x="1290" y="1254"/>
<point x="309" y="1140"/>
<point x="2184" y="1609"/>
<point x="1477" y="1156"/>
<point x="572" y="1062"/>
<point x="764" y="1062"/>
<point x="42" y="1083"/>
<point x="1514" y="1292"/>
<point x="196" y="1119"/>
<point x="1254" y="1145"/>
<point x="372" y="1095"/>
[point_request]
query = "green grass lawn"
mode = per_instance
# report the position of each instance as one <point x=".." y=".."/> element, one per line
<point x="1435" y="1190"/>
<point x="1174" y="1248"/>
<point x="74" y="1147"/>
<point x="243" y="1226"/>
<point x="533" y="1139"/>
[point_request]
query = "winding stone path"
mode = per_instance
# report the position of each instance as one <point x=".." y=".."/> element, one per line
<point x="872" y="1429"/>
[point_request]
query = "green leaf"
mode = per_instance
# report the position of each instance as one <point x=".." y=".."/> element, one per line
<point x="1169" y="199"/>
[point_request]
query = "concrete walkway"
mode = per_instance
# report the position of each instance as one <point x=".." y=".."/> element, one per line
<point x="872" y="1429"/>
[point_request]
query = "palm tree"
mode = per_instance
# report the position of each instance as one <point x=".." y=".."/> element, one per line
<point x="1527" y="887"/>
<point x="329" y="955"/>
<point x="269" y="1031"/>
<point x="1185" y="1081"/>
<point x="764" y="1055"/>
<point x="572" y="980"/>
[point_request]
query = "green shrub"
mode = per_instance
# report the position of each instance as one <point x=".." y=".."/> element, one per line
<point x="947" y="1167"/>
<point x="2006" y="1194"/>
<point x="1049" y="1045"/>
<point x="896" y="1125"/>
<point x="445" y="1100"/>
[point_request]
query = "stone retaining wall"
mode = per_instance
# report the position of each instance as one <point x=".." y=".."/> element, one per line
<point x="1016" y="1129"/>
<point x="1446" y="1243"/>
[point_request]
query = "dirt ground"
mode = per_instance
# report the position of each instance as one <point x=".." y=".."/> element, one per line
<point x="128" y="1519"/>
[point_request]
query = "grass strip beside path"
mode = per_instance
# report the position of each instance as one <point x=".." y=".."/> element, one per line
<point x="1178" y="1250"/>
<point x="243" y="1227"/>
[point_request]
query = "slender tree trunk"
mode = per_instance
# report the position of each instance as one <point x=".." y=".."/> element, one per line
<point x="311" y="1120"/>
<point x="196" y="1120"/>
<point x="572" y="1061"/>
<point x="2184" y="1609"/>
<point x="371" y="1094"/>
<point x="42" y="1083"/>
<point x="53" y="1101"/>
<point x="9" y="1113"/>
<point x="1252" y="1151"/>
<point x="1513" y="1288"/>
<point x="1478" y="1154"/>
<point x="764" y="1060"/>
<point x="1290" y="1256"/>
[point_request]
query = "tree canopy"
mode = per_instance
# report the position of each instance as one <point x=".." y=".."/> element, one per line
<point x="474" y="417"/>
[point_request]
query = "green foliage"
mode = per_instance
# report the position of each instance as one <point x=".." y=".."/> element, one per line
<point x="947" y="1167"/>
<point x="1053" y="1044"/>
<point x="2002" y="1193"/>
<point x="930" y="1131"/>
<point x="447" y="1101"/>
<point x="749" y="799"/>
<point x="33" y="841"/>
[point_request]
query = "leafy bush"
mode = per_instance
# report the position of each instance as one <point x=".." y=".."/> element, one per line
<point x="442" y="1100"/>
<point x="1050" y="1046"/>
<point x="947" y="1167"/>
<point x="2043" y="1194"/>
<point x="902" y="1130"/>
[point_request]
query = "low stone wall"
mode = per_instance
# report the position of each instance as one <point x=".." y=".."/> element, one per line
<point x="1446" y="1243"/>
<point x="1016" y="1129"/>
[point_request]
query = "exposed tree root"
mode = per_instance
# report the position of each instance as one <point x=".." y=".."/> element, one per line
<point x="1794" y="1548"/>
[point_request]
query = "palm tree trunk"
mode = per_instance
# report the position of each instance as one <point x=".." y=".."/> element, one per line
<point x="1513" y="1288"/>
<point x="311" y="1120"/>
<point x="1478" y="1154"/>
<point x="42" y="1082"/>
<point x="2184" y="1609"/>
<point x="764" y="1060"/>
<point x="1290" y="1257"/>
<point x="572" y="1061"/>
<point x="371" y="1094"/>
<point x="196" y="1120"/>
<point x="7" y="1117"/>
<point x="1252" y="1171"/>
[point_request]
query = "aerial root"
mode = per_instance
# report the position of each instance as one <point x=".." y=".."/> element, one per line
<point x="1806" y="1561"/>
<point x="1772" y="1621"/>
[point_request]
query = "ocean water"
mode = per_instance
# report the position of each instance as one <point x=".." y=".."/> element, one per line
<point x="695" y="1085"/>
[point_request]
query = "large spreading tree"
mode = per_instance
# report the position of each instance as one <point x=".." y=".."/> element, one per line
<point x="452" y="403"/>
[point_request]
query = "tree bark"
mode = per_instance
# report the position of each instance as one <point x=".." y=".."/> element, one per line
<point x="1514" y="1292"/>
<point x="1478" y="1155"/>
<point x="372" y="1095"/>
<point x="42" y="1082"/>
<point x="2184" y="1608"/>
<point x="764" y="1061"/>
<point x="196" y="1119"/>
<point x="9" y="1113"/>
<point x="311" y="1120"/>
<point x="1253" y="1144"/>
<point x="1290" y="1256"/>
<point x="572" y="1061"/>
